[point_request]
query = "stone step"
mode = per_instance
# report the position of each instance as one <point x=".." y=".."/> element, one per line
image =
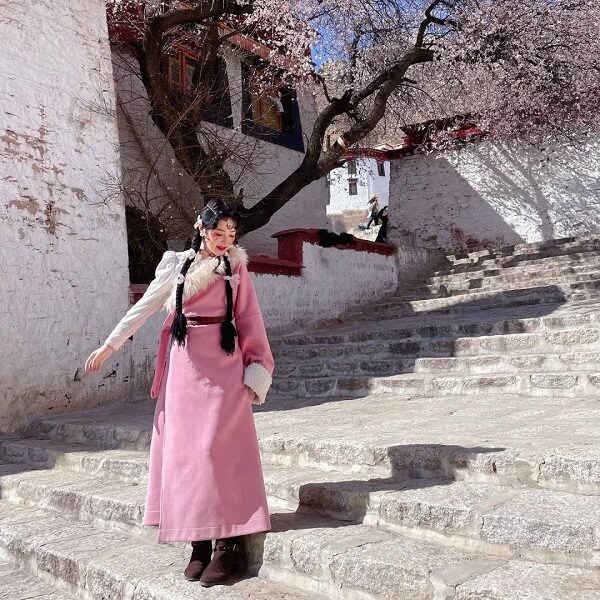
<point x="523" y="344"/>
<point x="500" y="283"/>
<point x="568" y="465"/>
<point x="124" y="427"/>
<point x="128" y="466"/>
<point x="359" y="562"/>
<point x="532" y="520"/>
<point x="380" y="365"/>
<point x="17" y="584"/>
<point x="573" y="468"/>
<point x="577" y="262"/>
<point x="109" y="464"/>
<point x="97" y="564"/>
<point x="354" y="561"/>
<point x="508" y="263"/>
<point x="506" y="321"/>
<point x="496" y="520"/>
<point x="572" y="384"/>
<point x="549" y="470"/>
<point x="372" y="425"/>
<point x="511" y="255"/>
<point x="485" y="300"/>
<point x="519" y="580"/>
<point x="110" y="505"/>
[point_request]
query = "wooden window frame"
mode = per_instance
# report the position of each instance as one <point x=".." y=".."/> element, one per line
<point x="289" y="134"/>
<point x="219" y="110"/>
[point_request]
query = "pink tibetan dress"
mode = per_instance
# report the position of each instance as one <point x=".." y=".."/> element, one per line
<point x="205" y="479"/>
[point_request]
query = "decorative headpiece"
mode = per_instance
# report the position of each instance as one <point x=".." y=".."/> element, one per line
<point x="219" y="210"/>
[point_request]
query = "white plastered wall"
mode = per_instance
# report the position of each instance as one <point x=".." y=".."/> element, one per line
<point x="336" y="281"/>
<point x="63" y="242"/>
<point x="497" y="193"/>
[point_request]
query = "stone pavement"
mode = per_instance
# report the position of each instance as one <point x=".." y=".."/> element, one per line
<point x="439" y="453"/>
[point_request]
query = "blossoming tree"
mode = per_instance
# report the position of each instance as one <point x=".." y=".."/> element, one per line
<point x="518" y="68"/>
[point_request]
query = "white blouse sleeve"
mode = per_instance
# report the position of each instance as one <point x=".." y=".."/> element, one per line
<point x="152" y="300"/>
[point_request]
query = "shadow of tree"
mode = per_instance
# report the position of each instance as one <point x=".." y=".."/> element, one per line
<point x="335" y="504"/>
<point x="399" y="342"/>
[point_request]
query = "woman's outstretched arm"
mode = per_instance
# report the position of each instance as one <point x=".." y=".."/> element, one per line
<point x="152" y="300"/>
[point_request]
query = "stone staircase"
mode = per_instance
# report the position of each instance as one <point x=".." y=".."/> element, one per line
<point x="444" y="446"/>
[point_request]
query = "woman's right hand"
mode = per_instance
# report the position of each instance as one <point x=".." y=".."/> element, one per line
<point x="97" y="357"/>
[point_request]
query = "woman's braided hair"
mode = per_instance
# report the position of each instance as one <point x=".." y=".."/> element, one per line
<point x="213" y="212"/>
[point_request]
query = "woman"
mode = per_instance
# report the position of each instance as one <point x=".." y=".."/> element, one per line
<point x="205" y="477"/>
<point x="372" y="210"/>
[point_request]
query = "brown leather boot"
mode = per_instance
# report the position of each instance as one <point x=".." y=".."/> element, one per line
<point x="228" y="559"/>
<point x="200" y="559"/>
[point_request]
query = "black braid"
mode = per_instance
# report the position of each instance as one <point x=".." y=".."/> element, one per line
<point x="179" y="326"/>
<point x="228" y="331"/>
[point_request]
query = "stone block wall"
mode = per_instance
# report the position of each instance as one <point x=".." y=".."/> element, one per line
<point x="490" y="194"/>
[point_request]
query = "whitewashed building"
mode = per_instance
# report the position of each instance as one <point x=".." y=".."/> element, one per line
<point x="363" y="172"/>
<point x="265" y="135"/>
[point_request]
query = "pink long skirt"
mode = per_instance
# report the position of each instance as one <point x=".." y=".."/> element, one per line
<point x="205" y="479"/>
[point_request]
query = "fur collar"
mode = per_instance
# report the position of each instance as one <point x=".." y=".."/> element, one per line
<point x="203" y="273"/>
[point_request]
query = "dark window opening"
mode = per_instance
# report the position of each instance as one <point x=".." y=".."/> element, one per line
<point x="180" y="66"/>
<point x="381" y="168"/>
<point x="352" y="188"/>
<point x="146" y="243"/>
<point x="270" y="111"/>
<point x="351" y="167"/>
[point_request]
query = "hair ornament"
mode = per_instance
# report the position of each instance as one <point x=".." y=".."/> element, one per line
<point x="191" y="255"/>
<point x="233" y="279"/>
<point x="180" y="278"/>
<point x="198" y="222"/>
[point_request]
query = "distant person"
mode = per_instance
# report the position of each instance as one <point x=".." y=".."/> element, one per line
<point x="373" y="210"/>
<point x="382" y="233"/>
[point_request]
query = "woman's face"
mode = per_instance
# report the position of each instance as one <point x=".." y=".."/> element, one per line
<point x="218" y="240"/>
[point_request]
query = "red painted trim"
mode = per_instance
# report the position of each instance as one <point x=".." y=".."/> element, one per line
<point x="136" y="291"/>
<point x="274" y="266"/>
<point x="410" y="144"/>
<point x="290" y="243"/>
<point x="467" y="132"/>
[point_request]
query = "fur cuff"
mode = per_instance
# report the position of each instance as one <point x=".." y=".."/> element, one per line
<point x="257" y="378"/>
